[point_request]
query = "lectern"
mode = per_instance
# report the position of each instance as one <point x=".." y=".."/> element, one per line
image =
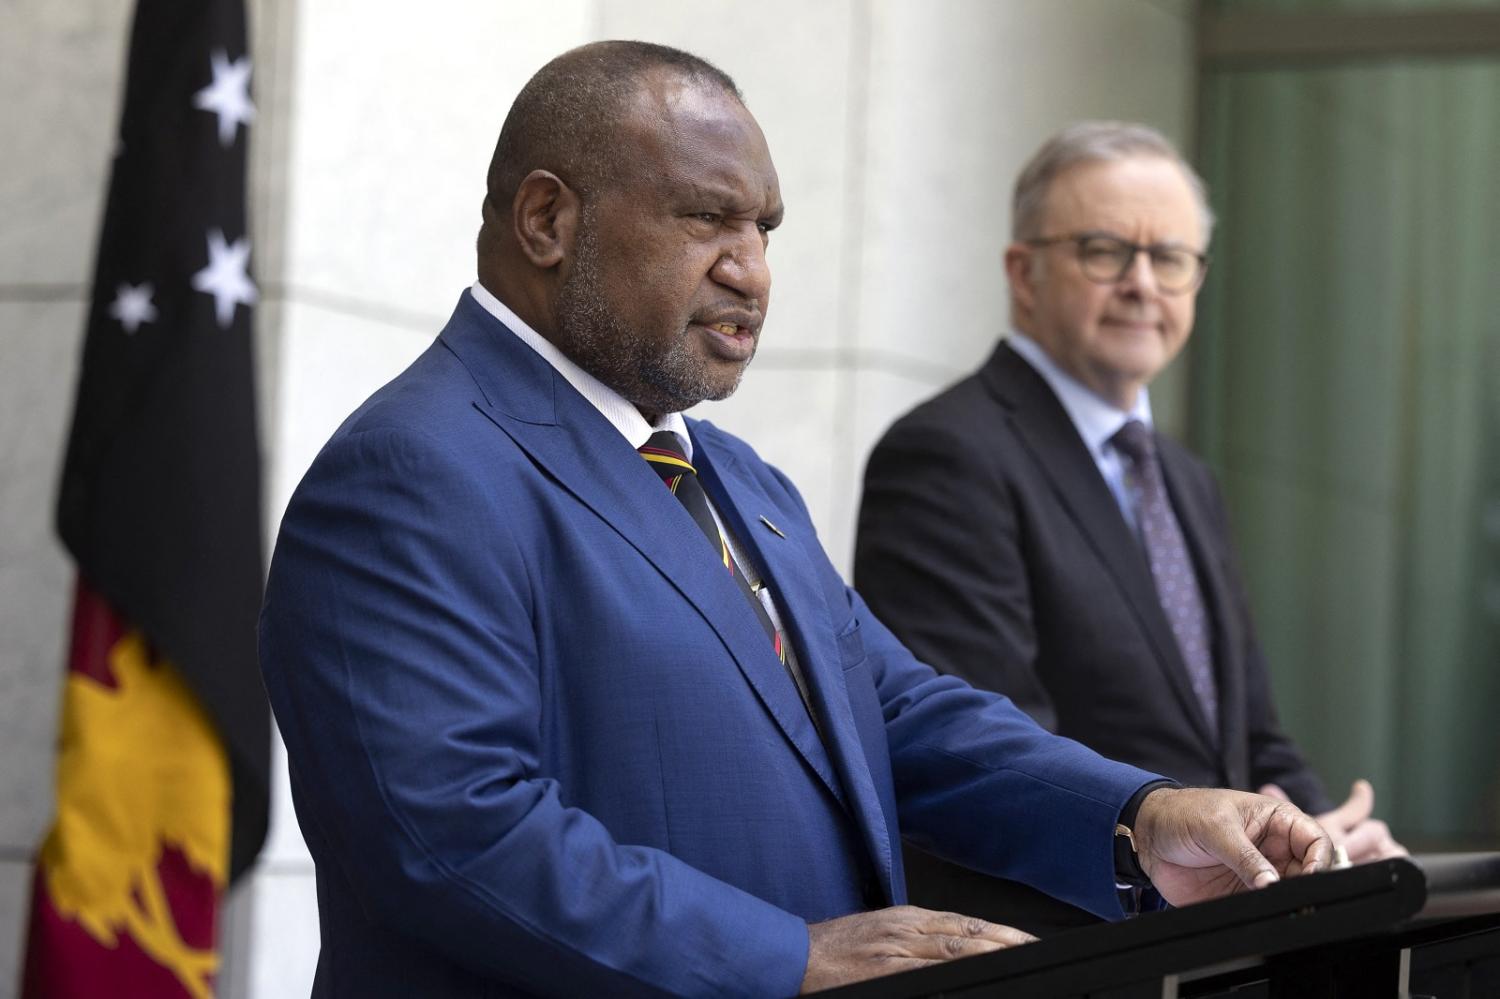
<point x="1428" y="926"/>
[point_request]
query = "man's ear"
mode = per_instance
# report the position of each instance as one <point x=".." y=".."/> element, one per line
<point x="545" y="215"/>
<point x="1022" y="270"/>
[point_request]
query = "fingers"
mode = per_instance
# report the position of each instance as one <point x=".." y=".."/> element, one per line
<point x="1226" y="840"/>
<point x="1253" y="869"/>
<point x="1350" y="825"/>
<point x="1372" y="840"/>
<point x="865" y="944"/>
<point x="1355" y="809"/>
<point x="959" y="936"/>
<point x="1288" y="842"/>
<point x="1308" y="843"/>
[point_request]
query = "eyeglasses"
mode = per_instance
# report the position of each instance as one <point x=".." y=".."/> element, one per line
<point x="1106" y="259"/>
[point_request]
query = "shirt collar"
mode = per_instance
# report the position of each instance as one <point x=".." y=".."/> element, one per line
<point x="1096" y="420"/>
<point x="621" y="414"/>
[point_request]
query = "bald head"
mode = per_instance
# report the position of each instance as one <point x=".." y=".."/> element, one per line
<point x="566" y="119"/>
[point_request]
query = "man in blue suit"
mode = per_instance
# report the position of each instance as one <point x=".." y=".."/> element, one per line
<point x="556" y="729"/>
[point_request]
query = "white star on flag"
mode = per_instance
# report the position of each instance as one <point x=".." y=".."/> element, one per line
<point x="132" y="306"/>
<point x="225" y="277"/>
<point x="229" y="95"/>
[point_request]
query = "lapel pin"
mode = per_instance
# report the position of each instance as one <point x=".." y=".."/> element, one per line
<point x="772" y="526"/>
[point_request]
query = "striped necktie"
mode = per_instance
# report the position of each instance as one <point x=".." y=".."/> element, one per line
<point x="665" y="453"/>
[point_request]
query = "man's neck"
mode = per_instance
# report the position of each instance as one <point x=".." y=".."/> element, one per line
<point x="623" y="415"/>
<point x="524" y="305"/>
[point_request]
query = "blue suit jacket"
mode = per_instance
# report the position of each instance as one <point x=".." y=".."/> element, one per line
<point x="539" y="742"/>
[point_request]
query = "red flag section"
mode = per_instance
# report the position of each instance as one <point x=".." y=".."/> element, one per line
<point x="130" y="875"/>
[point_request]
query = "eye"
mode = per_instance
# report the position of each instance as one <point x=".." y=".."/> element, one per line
<point x="712" y="218"/>
<point x="1103" y="258"/>
<point x="1104" y="250"/>
<point x="1172" y="262"/>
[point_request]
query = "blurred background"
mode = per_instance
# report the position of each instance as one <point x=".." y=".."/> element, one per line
<point x="1344" y="378"/>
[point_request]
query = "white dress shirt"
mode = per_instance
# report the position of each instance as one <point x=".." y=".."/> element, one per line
<point x="624" y="417"/>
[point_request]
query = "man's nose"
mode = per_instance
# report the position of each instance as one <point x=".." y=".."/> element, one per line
<point x="743" y="267"/>
<point x="1139" y="277"/>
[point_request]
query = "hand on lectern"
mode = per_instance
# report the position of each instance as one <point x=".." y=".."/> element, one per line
<point x="1198" y="843"/>
<point x="885" y="941"/>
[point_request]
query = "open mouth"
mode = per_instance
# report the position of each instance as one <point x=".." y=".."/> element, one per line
<point x="730" y="340"/>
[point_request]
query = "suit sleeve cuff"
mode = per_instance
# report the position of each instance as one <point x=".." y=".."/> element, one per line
<point x="1128" y="870"/>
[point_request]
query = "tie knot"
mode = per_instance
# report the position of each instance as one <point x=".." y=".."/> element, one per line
<point x="666" y="454"/>
<point x="1134" y="441"/>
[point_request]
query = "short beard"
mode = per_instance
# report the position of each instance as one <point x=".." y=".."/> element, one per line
<point x="655" y="381"/>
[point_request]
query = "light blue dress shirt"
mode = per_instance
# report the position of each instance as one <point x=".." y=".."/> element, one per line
<point x="1095" y="420"/>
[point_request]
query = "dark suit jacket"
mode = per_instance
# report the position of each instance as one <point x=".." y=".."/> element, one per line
<point x="991" y="545"/>
<point x="539" y="743"/>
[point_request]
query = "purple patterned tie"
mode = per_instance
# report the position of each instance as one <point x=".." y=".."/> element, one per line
<point x="1171" y="566"/>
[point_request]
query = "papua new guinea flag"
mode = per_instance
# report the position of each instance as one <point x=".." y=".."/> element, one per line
<point x="164" y="744"/>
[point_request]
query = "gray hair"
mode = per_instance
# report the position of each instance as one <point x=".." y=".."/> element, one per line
<point x="1093" y="142"/>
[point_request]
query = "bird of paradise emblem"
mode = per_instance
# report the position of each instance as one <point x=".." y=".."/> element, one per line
<point x="141" y="775"/>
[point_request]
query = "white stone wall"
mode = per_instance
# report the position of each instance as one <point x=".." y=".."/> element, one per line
<point x="896" y="126"/>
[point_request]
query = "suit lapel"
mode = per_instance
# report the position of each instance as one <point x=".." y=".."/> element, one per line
<point x="804" y="610"/>
<point x="1046" y="431"/>
<point x="564" y="434"/>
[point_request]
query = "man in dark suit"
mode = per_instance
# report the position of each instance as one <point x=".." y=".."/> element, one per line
<point x="1028" y="531"/>
<point x="574" y="702"/>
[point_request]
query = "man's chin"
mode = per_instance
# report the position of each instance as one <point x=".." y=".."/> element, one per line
<point x="716" y="394"/>
<point x="713" y="379"/>
<point x="659" y="400"/>
<point x="1139" y="362"/>
<point x="730" y="383"/>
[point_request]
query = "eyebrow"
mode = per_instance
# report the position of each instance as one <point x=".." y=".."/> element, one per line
<point x="723" y="195"/>
<point x="1169" y="244"/>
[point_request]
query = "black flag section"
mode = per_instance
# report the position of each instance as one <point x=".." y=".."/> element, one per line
<point x="160" y="497"/>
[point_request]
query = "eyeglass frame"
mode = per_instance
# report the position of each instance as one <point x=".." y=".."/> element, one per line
<point x="1136" y="249"/>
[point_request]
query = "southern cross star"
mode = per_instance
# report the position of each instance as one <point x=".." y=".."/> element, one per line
<point x="225" y="277"/>
<point x="132" y="306"/>
<point x="229" y="95"/>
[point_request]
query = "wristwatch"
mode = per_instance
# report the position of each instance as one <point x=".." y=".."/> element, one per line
<point x="1128" y="870"/>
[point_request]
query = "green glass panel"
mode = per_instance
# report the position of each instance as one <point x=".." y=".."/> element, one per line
<point x="1345" y="6"/>
<point x="1346" y="383"/>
